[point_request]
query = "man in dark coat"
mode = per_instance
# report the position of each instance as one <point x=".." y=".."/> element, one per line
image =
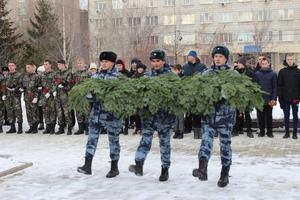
<point x="289" y="93"/>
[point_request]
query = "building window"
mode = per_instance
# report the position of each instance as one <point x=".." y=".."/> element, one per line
<point x="286" y="36"/>
<point x="133" y="3"/>
<point x="117" y="4"/>
<point x="169" y="20"/>
<point x="206" y="18"/>
<point x="188" y="39"/>
<point x="151" y="20"/>
<point x="206" y="38"/>
<point x="21" y="8"/>
<point x="286" y="14"/>
<point x="100" y="6"/>
<point x="169" y="2"/>
<point x="169" y="39"/>
<point x="225" y="37"/>
<point x="187" y="2"/>
<point x="188" y="19"/>
<point x="206" y="1"/>
<point x="270" y="36"/>
<point x="262" y="15"/>
<point x="117" y="22"/>
<point x="152" y="39"/>
<point x="100" y="23"/>
<point x="245" y="16"/>
<point x="151" y="3"/>
<point x="134" y="21"/>
<point x="225" y="17"/>
<point x="246" y="37"/>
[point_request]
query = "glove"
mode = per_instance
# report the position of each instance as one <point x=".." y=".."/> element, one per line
<point x="11" y="89"/>
<point x="60" y="86"/>
<point x="295" y="101"/>
<point x="35" y="100"/>
<point x="3" y="97"/>
<point x="54" y="94"/>
<point x="21" y="90"/>
<point x="272" y="103"/>
<point x="47" y="95"/>
<point x="40" y="88"/>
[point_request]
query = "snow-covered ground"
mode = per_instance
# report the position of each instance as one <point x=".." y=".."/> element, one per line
<point x="263" y="168"/>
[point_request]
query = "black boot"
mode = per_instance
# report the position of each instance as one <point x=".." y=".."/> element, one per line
<point x="270" y="133"/>
<point x="1" y="129"/>
<point x="164" y="175"/>
<point x="180" y="135"/>
<point x="29" y="130"/>
<point x="35" y="128"/>
<point x="69" y="130"/>
<point x="250" y="134"/>
<point x="80" y="130"/>
<point x="61" y="130"/>
<point x="197" y="133"/>
<point x="87" y="167"/>
<point x="261" y="133"/>
<point x="48" y="129"/>
<point x="201" y="172"/>
<point x="224" y="178"/>
<point x="12" y="129"/>
<point x="295" y="137"/>
<point x="41" y="126"/>
<point x="114" y="171"/>
<point x="52" y="129"/>
<point x="137" y="169"/>
<point x="235" y="133"/>
<point x="20" y="128"/>
<point x="125" y="131"/>
<point x="176" y="134"/>
<point x="87" y="129"/>
<point x="287" y="134"/>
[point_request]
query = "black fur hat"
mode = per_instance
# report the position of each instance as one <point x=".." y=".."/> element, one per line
<point x="108" y="55"/>
<point x="157" y="54"/>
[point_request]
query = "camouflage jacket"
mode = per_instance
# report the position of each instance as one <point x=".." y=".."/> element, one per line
<point x="2" y="86"/>
<point x="79" y="76"/>
<point x="99" y="114"/>
<point x="31" y="84"/>
<point x="47" y="83"/>
<point x="13" y="84"/>
<point x="162" y="118"/>
<point x="224" y="114"/>
<point x="63" y="83"/>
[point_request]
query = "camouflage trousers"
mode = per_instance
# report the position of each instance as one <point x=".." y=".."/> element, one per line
<point x="113" y="130"/>
<point x="83" y="117"/>
<point x="63" y="112"/>
<point x="164" y="133"/>
<point x="49" y="111"/>
<point x="2" y="108"/>
<point x="31" y="112"/>
<point x="206" y="147"/>
<point x="14" y="109"/>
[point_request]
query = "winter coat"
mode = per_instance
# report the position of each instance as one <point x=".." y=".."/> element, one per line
<point x="190" y="69"/>
<point x="98" y="113"/>
<point x="224" y="114"/>
<point x="248" y="72"/>
<point x="288" y="84"/>
<point x="267" y="79"/>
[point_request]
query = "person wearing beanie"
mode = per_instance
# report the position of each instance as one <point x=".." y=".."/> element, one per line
<point x="267" y="79"/>
<point x="162" y="122"/>
<point x="134" y="63"/>
<point x="191" y="67"/>
<point x="289" y="93"/>
<point x="220" y="121"/>
<point x="238" y="128"/>
<point x="122" y="69"/>
<point x="101" y="119"/>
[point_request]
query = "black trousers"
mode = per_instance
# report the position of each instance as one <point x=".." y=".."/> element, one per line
<point x="241" y="120"/>
<point x="265" y="117"/>
<point x="192" y="121"/>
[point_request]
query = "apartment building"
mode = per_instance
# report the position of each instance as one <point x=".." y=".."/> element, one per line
<point x="133" y="27"/>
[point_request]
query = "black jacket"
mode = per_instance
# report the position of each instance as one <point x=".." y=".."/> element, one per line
<point x="190" y="69"/>
<point x="248" y="72"/>
<point x="289" y="84"/>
